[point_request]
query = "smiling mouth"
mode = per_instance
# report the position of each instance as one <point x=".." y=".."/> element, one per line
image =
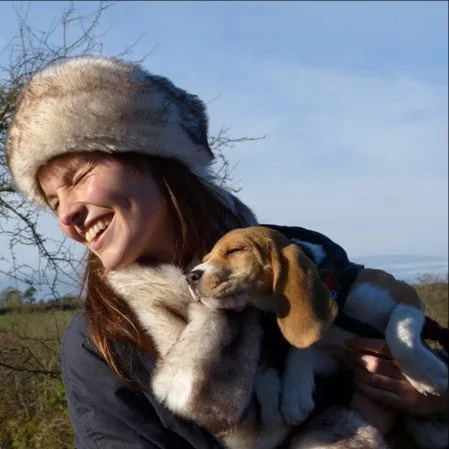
<point x="95" y="231"/>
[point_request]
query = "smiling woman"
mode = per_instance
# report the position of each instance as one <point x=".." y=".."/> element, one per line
<point x="120" y="215"/>
<point x="122" y="158"/>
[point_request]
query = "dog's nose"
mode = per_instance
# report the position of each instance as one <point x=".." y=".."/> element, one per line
<point x="194" y="276"/>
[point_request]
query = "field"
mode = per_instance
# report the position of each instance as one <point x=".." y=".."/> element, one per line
<point x="33" y="411"/>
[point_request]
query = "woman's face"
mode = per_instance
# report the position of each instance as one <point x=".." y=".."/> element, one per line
<point x="114" y="212"/>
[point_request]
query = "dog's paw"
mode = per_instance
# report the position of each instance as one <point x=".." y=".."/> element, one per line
<point x="197" y="310"/>
<point x="296" y="411"/>
<point x="173" y="387"/>
<point x="438" y="386"/>
<point x="434" y="380"/>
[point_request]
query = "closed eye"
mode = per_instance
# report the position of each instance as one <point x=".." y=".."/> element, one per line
<point x="79" y="178"/>
<point x="234" y="250"/>
<point x="83" y="172"/>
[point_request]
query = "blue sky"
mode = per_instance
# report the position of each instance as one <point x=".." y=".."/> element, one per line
<point x="352" y="98"/>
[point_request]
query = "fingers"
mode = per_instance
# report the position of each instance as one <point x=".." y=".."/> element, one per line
<point x="375" y="364"/>
<point x="376" y="374"/>
<point x="383" y="382"/>
<point x="380" y="395"/>
<point x="372" y="345"/>
<point x="379" y="377"/>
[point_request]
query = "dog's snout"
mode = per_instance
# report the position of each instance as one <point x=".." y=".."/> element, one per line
<point x="194" y="276"/>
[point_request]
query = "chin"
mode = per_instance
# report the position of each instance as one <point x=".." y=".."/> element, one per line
<point x="110" y="266"/>
<point x="114" y="263"/>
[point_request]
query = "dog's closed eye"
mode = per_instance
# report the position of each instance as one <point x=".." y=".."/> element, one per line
<point x="234" y="250"/>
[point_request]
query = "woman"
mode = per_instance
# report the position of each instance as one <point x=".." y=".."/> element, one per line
<point x="122" y="158"/>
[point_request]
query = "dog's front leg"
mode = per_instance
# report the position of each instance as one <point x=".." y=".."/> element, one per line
<point x="425" y="371"/>
<point x="298" y="385"/>
<point x="268" y="387"/>
<point x="208" y="375"/>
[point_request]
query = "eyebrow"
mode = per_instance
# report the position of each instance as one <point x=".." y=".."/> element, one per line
<point x="67" y="177"/>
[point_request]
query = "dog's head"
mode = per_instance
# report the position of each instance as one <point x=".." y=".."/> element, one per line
<point x="261" y="267"/>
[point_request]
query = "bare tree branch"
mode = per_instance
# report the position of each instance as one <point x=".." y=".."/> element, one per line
<point x="224" y="169"/>
<point x="20" y="368"/>
<point x="30" y="49"/>
<point x="71" y="34"/>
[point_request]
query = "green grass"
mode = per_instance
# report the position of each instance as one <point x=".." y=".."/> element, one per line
<point x="33" y="412"/>
<point x="41" y="322"/>
<point x="435" y="296"/>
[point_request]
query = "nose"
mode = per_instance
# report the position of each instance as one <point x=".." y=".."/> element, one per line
<point x="194" y="276"/>
<point x="72" y="215"/>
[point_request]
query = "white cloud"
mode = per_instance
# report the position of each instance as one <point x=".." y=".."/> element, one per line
<point x="362" y="158"/>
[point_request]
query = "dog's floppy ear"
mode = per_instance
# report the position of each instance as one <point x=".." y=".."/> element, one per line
<point x="304" y="306"/>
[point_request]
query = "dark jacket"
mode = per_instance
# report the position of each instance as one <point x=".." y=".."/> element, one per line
<point x="106" y="413"/>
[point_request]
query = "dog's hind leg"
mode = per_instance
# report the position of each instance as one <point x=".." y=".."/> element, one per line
<point x="338" y="428"/>
<point x="425" y="371"/>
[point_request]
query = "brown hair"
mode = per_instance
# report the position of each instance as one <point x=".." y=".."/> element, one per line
<point x="198" y="216"/>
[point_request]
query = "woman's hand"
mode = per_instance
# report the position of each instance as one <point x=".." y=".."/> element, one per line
<point x="379" y="378"/>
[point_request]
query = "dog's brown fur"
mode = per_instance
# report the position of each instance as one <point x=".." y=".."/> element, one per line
<point x="277" y="274"/>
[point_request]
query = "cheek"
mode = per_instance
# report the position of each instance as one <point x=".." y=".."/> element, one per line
<point x="246" y="269"/>
<point x="149" y="200"/>
<point x="149" y="209"/>
<point x="152" y="199"/>
<point x="110" y="192"/>
<point x="99" y="192"/>
<point x="241" y="264"/>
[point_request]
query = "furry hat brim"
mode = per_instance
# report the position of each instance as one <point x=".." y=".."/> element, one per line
<point x="101" y="104"/>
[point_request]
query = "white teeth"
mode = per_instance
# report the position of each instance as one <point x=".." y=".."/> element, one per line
<point x="95" y="229"/>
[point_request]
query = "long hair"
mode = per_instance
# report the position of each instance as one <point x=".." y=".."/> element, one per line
<point x="199" y="216"/>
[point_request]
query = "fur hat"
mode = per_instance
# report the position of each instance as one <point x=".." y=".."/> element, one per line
<point x="96" y="103"/>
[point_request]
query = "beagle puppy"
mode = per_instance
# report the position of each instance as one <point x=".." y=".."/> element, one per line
<point x="228" y="367"/>
<point x="259" y="267"/>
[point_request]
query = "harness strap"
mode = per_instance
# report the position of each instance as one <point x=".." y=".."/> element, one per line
<point x="343" y="320"/>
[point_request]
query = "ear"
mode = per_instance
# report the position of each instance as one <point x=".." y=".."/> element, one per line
<point x="304" y="306"/>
